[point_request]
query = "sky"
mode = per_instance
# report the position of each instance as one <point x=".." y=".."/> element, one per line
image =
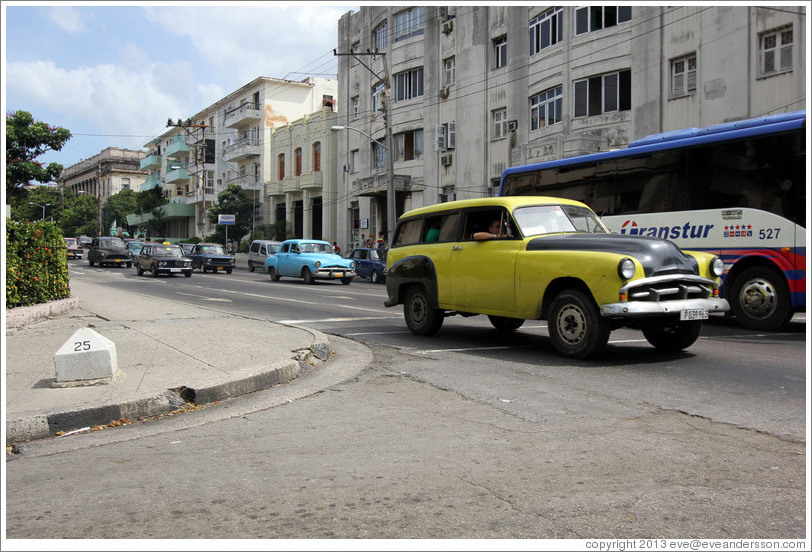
<point x="113" y="72"/>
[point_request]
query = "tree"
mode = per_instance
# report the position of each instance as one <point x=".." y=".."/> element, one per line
<point x="234" y="201"/>
<point x="26" y="140"/>
<point x="118" y="206"/>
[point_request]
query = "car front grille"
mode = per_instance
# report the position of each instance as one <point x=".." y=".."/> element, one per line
<point x="669" y="288"/>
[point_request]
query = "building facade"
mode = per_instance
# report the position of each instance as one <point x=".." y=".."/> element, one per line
<point x="107" y="173"/>
<point x="473" y="90"/>
<point x="227" y="143"/>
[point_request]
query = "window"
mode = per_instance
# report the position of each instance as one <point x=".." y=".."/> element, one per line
<point x="409" y="84"/>
<point x="280" y="167"/>
<point x="125" y="183"/>
<point x="603" y="93"/>
<point x="409" y="23"/>
<point x="297" y="155"/>
<point x="450" y="66"/>
<point x="209" y="182"/>
<point x="775" y="49"/>
<point x="593" y="18"/>
<point x="409" y="145"/>
<point x="499" y="128"/>
<point x="683" y="75"/>
<point x="378" y="94"/>
<point x="317" y="157"/>
<point x="381" y="33"/>
<point x="546" y="30"/>
<point x="355" y="160"/>
<point x="356" y="103"/>
<point x="499" y="52"/>
<point x="545" y="108"/>
<point x="379" y="153"/>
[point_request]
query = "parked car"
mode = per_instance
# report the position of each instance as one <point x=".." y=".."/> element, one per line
<point x="259" y="251"/>
<point x="133" y="247"/>
<point x="187" y="248"/>
<point x="162" y="258"/>
<point x="211" y="256"/>
<point x="108" y="250"/>
<point x="542" y="258"/>
<point x="75" y="251"/>
<point x="369" y="263"/>
<point x="310" y="260"/>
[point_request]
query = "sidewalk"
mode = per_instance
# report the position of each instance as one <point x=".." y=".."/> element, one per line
<point x="167" y="353"/>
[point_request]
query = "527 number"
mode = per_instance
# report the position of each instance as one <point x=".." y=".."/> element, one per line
<point x="81" y="346"/>
<point x="768" y="233"/>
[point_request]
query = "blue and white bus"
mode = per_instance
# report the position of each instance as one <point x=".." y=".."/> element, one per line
<point x="735" y="189"/>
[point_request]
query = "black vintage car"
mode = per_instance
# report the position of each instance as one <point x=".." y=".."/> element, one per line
<point x="211" y="256"/>
<point x="158" y="258"/>
<point x="108" y="250"/>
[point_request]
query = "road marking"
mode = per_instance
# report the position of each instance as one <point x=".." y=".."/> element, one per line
<point x="205" y="298"/>
<point x="347" y="319"/>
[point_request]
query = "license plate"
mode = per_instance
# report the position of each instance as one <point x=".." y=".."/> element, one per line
<point x="174" y="270"/>
<point x="694" y="314"/>
<point x="118" y="260"/>
<point x="220" y="268"/>
<point x="339" y="274"/>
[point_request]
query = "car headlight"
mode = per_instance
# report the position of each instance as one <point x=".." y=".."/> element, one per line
<point x="318" y="264"/>
<point x="626" y="268"/>
<point x="717" y="266"/>
<point x="352" y="266"/>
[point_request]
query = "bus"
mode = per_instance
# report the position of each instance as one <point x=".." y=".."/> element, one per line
<point x="735" y="189"/>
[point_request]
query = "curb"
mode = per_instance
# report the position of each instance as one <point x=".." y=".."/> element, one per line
<point x="20" y="316"/>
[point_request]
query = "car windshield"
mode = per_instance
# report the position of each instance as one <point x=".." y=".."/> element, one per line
<point x="70" y="241"/>
<point x="211" y="249"/>
<point x="316" y="248"/>
<point x="553" y="219"/>
<point x="272" y="248"/>
<point x="167" y="250"/>
<point x="111" y="242"/>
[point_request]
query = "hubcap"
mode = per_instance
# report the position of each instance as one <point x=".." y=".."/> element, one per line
<point x="571" y="324"/>
<point x="417" y="308"/>
<point x="758" y="298"/>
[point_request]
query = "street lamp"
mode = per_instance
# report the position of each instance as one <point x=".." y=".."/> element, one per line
<point x="390" y="184"/>
<point x="43" y="208"/>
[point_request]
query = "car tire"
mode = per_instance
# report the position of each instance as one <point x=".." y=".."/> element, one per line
<point x="307" y="276"/>
<point x="375" y="277"/>
<point x="346" y="281"/>
<point x="228" y="271"/>
<point x="576" y="327"/>
<point x="759" y="298"/>
<point x="505" y="324"/>
<point x="129" y="265"/>
<point x="673" y="337"/>
<point x="139" y="270"/>
<point x="188" y="273"/>
<point x="273" y="274"/>
<point x="90" y="261"/>
<point x="420" y="317"/>
<point x="250" y="266"/>
<point x="154" y="270"/>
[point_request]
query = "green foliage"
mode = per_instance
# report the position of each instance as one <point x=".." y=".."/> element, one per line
<point x="117" y="207"/>
<point x="36" y="263"/>
<point x="26" y="140"/>
<point x="234" y="200"/>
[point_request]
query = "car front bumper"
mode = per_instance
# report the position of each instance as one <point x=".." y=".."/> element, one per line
<point x="635" y="309"/>
<point x="333" y="273"/>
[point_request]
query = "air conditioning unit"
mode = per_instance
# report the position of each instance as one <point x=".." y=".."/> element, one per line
<point x="513" y="125"/>
<point x="447" y="159"/>
<point x="448" y="26"/>
<point x="444" y="92"/>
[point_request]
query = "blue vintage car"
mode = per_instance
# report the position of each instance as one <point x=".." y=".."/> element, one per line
<point x="310" y="260"/>
<point x="369" y="263"/>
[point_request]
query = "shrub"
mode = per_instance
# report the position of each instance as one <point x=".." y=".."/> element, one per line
<point x="36" y="263"/>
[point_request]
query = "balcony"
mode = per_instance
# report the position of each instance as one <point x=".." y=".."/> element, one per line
<point x="177" y="208"/>
<point x="177" y="176"/>
<point x="246" y="114"/>
<point x="151" y="162"/>
<point x="177" y="147"/>
<point x="311" y="181"/>
<point x="243" y="149"/>
<point x="194" y="197"/>
<point x="152" y="181"/>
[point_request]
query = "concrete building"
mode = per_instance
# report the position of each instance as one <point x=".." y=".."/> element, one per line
<point x="227" y="143"/>
<point x="105" y="174"/>
<point x="474" y="90"/>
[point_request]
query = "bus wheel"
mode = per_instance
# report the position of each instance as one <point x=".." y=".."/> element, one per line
<point x="674" y="337"/>
<point x="576" y="327"/>
<point x="759" y="297"/>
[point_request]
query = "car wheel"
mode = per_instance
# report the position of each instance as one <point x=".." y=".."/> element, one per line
<point x="346" y="281"/>
<point x="90" y="261"/>
<point x="154" y="271"/>
<point x="274" y="275"/>
<point x="375" y="277"/>
<point x="188" y="273"/>
<point x="129" y="265"/>
<point x="576" y="328"/>
<point x="250" y="266"/>
<point x="420" y="317"/>
<point x="139" y="270"/>
<point x="505" y="324"/>
<point x="673" y="337"/>
<point x="308" y="276"/>
<point x="760" y="299"/>
<point x="228" y="271"/>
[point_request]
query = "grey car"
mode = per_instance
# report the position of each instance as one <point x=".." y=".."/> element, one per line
<point x="108" y="250"/>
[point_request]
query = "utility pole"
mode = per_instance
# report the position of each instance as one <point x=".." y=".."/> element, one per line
<point x="391" y="216"/>
<point x="188" y="124"/>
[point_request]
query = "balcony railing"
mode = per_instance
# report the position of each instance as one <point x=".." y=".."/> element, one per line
<point x="177" y="175"/>
<point x="246" y="114"/>
<point x="177" y="147"/>
<point x="151" y="161"/>
<point x="151" y="181"/>
<point x="242" y="149"/>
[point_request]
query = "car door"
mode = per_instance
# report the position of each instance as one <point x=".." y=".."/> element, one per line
<point x="286" y="257"/>
<point x="483" y="272"/>
<point x="361" y="262"/>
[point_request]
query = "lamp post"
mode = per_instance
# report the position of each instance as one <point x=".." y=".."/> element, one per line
<point x="390" y="179"/>
<point x="40" y="205"/>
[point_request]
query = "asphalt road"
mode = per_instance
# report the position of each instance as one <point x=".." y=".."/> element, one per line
<point x="463" y="435"/>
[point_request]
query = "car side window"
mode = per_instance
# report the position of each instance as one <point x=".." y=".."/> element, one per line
<point x="482" y="221"/>
<point x="409" y="232"/>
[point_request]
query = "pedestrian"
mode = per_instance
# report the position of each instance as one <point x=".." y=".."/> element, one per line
<point x="336" y="248"/>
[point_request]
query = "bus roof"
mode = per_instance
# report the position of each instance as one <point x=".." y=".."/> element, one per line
<point x="686" y="138"/>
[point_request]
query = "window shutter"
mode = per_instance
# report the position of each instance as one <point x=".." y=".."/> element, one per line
<point x="679" y="88"/>
<point x="786" y="57"/>
<point x="440" y="144"/>
<point x="769" y="61"/>
<point x="452" y="135"/>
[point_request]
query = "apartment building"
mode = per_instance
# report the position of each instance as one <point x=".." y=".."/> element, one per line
<point x="473" y="90"/>
<point x="106" y="173"/>
<point x="227" y="143"/>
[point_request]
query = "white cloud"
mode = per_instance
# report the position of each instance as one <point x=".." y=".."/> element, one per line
<point x="67" y="19"/>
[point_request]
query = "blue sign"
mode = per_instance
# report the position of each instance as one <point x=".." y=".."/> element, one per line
<point x="226" y="219"/>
